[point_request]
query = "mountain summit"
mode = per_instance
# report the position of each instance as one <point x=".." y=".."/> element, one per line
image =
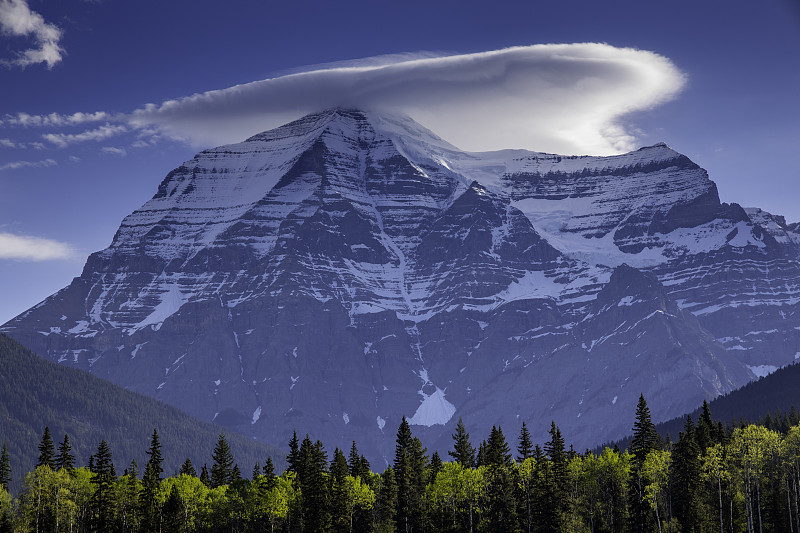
<point x="349" y="268"/>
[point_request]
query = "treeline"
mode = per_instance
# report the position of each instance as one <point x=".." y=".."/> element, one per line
<point x="711" y="479"/>
<point x="36" y="393"/>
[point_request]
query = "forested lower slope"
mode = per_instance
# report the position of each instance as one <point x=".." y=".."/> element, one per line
<point x="35" y="393"/>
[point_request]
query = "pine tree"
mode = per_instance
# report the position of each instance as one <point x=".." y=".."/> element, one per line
<point x="204" y="477"/>
<point x="148" y="499"/>
<point x="5" y="468"/>
<point x="556" y="482"/>
<point x="256" y="471"/>
<point x="294" y="453"/>
<point x="525" y="447"/>
<point x="705" y="428"/>
<point x="354" y="461"/>
<point x="46" y="450"/>
<point x="645" y="440"/>
<point x="497" y="450"/>
<point x="687" y="472"/>
<point x="222" y="469"/>
<point x="236" y="474"/>
<point x="463" y="452"/>
<point x="188" y="468"/>
<point x="65" y="459"/>
<point x="102" y="503"/>
<point x="340" y="517"/>
<point x="173" y="512"/>
<point x="269" y="469"/>
<point x="435" y="466"/>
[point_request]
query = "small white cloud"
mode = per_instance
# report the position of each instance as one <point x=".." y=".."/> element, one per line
<point x="62" y="140"/>
<point x="28" y="248"/>
<point x="75" y="159"/>
<point x="564" y="98"/>
<point x="113" y="150"/>
<point x="27" y="164"/>
<point x="17" y="19"/>
<point x="8" y="143"/>
<point x="140" y="144"/>
<point x="53" y="119"/>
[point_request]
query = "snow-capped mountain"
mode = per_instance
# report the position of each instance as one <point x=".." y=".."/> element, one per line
<point x="349" y="268"/>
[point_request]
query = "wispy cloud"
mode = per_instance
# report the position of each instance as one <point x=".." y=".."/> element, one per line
<point x="565" y="98"/>
<point x="8" y="143"/>
<point x="113" y="150"/>
<point x="53" y="119"/>
<point x="27" y="164"/>
<point x="62" y="140"/>
<point x="28" y="248"/>
<point x="17" y="19"/>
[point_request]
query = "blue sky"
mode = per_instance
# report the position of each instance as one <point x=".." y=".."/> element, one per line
<point x="717" y="80"/>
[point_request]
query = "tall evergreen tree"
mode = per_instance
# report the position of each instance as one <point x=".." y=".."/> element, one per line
<point x="409" y="472"/>
<point x="149" y="504"/>
<point x="686" y="474"/>
<point x="435" y="466"/>
<point x="525" y="446"/>
<point x="340" y="517"/>
<point x="354" y="462"/>
<point x="294" y="453"/>
<point x="556" y="480"/>
<point x="222" y="469"/>
<point x="645" y="440"/>
<point x="65" y="459"/>
<point x="312" y="475"/>
<point x="5" y="468"/>
<point x="462" y="451"/>
<point x="497" y="450"/>
<point x="46" y="450"/>
<point x="102" y="504"/>
<point x="645" y="437"/>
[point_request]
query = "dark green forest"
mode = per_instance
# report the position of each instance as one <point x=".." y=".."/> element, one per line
<point x="37" y="393"/>
<point x="711" y="478"/>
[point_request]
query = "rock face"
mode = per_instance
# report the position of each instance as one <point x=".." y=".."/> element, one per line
<point x="349" y="268"/>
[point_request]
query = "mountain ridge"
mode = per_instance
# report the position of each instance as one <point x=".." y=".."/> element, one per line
<point x="349" y="268"/>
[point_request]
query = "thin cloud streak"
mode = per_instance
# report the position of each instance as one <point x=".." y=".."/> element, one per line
<point x="53" y="119"/>
<point x="28" y="164"/>
<point x="62" y="140"/>
<point x="29" y="248"/>
<point x="564" y="98"/>
<point x="17" y="19"/>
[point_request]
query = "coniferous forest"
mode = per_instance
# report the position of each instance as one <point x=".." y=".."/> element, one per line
<point x="713" y="478"/>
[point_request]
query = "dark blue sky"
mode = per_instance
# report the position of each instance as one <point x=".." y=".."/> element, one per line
<point x="738" y="114"/>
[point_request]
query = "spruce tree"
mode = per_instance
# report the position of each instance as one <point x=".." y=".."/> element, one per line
<point x="65" y="459"/>
<point x="269" y="469"/>
<point x="497" y="450"/>
<point x="404" y="477"/>
<point x="222" y="469"/>
<point x="256" y="471"/>
<point x="294" y="453"/>
<point x="435" y="466"/>
<point x="340" y="517"/>
<point x="462" y="451"/>
<point x="102" y="503"/>
<point x="354" y="462"/>
<point x="645" y="440"/>
<point x="686" y="475"/>
<point x="5" y="468"/>
<point x="556" y="477"/>
<point x="151" y="480"/>
<point x="46" y="450"/>
<point x="525" y="446"/>
<point x="188" y="468"/>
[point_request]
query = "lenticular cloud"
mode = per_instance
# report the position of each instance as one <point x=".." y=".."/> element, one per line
<point x="564" y="98"/>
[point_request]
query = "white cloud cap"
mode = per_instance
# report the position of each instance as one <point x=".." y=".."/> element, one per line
<point x="564" y="98"/>
<point x="27" y="248"/>
<point x="17" y="19"/>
